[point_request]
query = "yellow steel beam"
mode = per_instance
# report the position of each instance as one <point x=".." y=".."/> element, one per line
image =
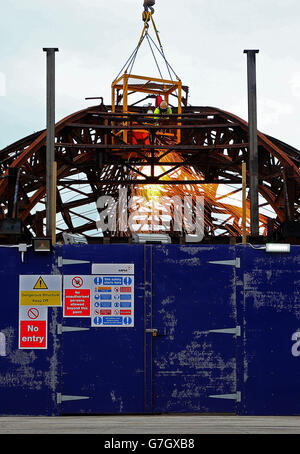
<point x="115" y="82"/>
<point x="154" y="79"/>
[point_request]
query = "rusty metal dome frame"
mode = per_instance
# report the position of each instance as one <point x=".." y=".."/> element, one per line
<point x="90" y="153"/>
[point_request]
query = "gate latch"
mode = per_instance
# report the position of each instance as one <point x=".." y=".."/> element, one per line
<point x="152" y="331"/>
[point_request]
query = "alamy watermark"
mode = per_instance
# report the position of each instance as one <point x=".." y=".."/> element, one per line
<point x="139" y="213"/>
<point x="2" y="344"/>
<point x="296" y="345"/>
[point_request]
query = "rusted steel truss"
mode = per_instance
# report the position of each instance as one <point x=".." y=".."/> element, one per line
<point x="93" y="161"/>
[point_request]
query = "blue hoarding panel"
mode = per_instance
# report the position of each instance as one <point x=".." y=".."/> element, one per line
<point x="105" y="363"/>
<point x="191" y="297"/>
<point x="28" y="378"/>
<point x="205" y="324"/>
<point x="271" y="312"/>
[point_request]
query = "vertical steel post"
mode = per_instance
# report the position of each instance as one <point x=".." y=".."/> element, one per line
<point x="253" y="147"/>
<point x="54" y="184"/>
<point x="50" y="141"/>
<point x="244" y="218"/>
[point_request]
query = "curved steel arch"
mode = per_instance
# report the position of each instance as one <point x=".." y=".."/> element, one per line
<point x="93" y="161"/>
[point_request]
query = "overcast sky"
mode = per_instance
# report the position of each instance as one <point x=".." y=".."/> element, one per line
<point x="203" y="41"/>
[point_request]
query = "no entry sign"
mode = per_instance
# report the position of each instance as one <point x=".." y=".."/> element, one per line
<point x="77" y="303"/>
<point x="77" y="296"/>
<point x="33" y="327"/>
<point x="33" y="334"/>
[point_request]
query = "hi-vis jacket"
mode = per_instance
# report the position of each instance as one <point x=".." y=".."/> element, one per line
<point x="158" y="113"/>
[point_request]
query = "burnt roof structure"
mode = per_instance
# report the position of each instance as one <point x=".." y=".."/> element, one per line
<point x="93" y="160"/>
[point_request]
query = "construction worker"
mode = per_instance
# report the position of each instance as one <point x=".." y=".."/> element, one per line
<point x="140" y="136"/>
<point x="148" y="4"/>
<point x="162" y="110"/>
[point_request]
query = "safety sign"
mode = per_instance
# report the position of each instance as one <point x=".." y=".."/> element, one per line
<point x="111" y="285"/>
<point x="77" y="296"/>
<point x="77" y="281"/>
<point x="33" y="313"/>
<point x="33" y="327"/>
<point x="40" y="290"/>
<point x="112" y="269"/>
<point x="40" y="284"/>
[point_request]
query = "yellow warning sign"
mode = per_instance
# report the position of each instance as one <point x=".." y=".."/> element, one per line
<point x="40" y="290"/>
<point x="43" y="298"/>
<point x="40" y="284"/>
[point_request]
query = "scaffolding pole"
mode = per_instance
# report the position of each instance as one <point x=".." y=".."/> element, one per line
<point x="50" y="143"/>
<point x="253" y="147"/>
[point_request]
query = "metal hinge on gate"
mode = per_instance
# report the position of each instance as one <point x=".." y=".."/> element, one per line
<point x="62" y="262"/>
<point x="236" y="262"/>
<point x="235" y="331"/>
<point x="64" y="398"/>
<point x="67" y="329"/>
<point x="237" y="396"/>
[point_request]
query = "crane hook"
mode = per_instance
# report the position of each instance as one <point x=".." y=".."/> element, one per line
<point x="148" y="4"/>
